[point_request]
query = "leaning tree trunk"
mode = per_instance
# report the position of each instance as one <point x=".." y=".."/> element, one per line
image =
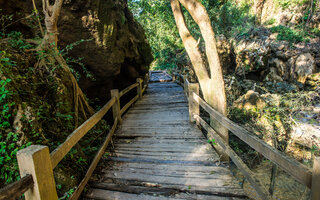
<point x="212" y="86"/>
<point x="50" y="42"/>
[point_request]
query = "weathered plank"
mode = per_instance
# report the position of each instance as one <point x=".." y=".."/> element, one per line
<point x="299" y="171"/>
<point x="58" y="154"/>
<point x="108" y="195"/>
<point x="167" y="190"/>
<point x="17" y="188"/>
<point x="315" y="191"/>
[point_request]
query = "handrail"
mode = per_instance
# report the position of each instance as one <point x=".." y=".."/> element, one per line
<point x="262" y="192"/>
<point x="61" y="151"/>
<point x="35" y="153"/>
<point x="123" y="92"/>
<point x="94" y="163"/>
<point x="299" y="171"/>
<point x="17" y="188"/>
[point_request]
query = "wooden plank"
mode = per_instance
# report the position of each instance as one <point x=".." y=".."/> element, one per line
<point x="17" y="188"/>
<point x="108" y="195"/>
<point x="58" y="154"/>
<point x="212" y="159"/>
<point x="168" y="150"/>
<point x="300" y="172"/>
<point x="220" y="181"/>
<point x="172" y="167"/>
<point x="164" y="172"/>
<point x="182" y="146"/>
<point x="157" y="161"/>
<point x="94" y="163"/>
<point x="168" y="190"/>
<point x="315" y="189"/>
<point x="221" y="191"/>
<point x="126" y="90"/>
<point x="123" y="110"/>
<point x="167" y="154"/>
<point x="255" y="183"/>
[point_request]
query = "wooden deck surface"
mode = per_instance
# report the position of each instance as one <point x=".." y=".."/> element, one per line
<point x="158" y="154"/>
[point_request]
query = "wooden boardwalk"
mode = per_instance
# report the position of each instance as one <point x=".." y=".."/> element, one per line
<point x="158" y="154"/>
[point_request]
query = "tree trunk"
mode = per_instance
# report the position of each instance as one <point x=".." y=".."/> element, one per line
<point x="50" y="42"/>
<point x="51" y="13"/>
<point x="212" y="87"/>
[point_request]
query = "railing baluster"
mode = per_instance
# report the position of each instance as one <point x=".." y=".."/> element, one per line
<point x="139" y="87"/>
<point x="315" y="187"/>
<point x="194" y="108"/>
<point x="35" y="160"/>
<point x="116" y="106"/>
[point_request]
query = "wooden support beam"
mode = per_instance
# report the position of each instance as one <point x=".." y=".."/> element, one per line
<point x="94" y="163"/>
<point x="35" y="160"/>
<point x="139" y="87"/>
<point x="185" y="85"/>
<point x="315" y="188"/>
<point x="252" y="179"/>
<point x="194" y="108"/>
<point x="126" y="90"/>
<point x="61" y="151"/>
<point x="299" y="171"/>
<point x="17" y="188"/>
<point x="116" y="106"/>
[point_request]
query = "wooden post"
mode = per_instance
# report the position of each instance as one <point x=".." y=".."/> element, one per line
<point x="173" y="77"/>
<point x="194" y="108"/>
<point x="150" y="74"/>
<point x="139" y="88"/>
<point x="35" y="160"/>
<point x="116" y="106"/>
<point x="315" y="187"/>
<point x="185" y="86"/>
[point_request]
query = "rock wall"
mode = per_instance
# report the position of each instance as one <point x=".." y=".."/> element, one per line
<point x="118" y="52"/>
<point x="261" y="57"/>
<point x="115" y="52"/>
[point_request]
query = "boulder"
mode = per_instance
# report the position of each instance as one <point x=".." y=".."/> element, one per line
<point x="251" y="100"/>
<point x="115" y="49"/>
<point x="273" y="76"/>
<point x="303" y="67"/>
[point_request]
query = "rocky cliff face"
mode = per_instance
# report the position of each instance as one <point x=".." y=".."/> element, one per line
<point x="115" y="50"/>
<point x="118" y="52"/>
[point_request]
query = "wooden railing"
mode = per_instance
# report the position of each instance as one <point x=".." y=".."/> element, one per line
<point x="301" y="173"/>
<point x="36" y="164"/>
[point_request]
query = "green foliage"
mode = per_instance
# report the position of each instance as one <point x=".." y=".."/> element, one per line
<point x="295" y="34"/>
<point x="285" y="4"/>
<point x="212" y="141"/>
<point x="16" y="40"/>
<point x="158" y="22"/>
<point x="270" y="21"/>
<point x="288" y="34"/>
<point x="71" y="61"/>
<point x="315" y="150"/>
<point x="68" y="194"/>
<point x="9" y="139"/>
